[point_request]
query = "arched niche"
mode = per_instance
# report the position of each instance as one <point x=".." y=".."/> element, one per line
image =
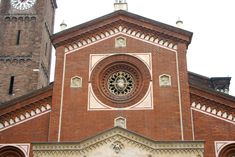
<point x="10" y="151"/>
<point x="228" y="151"/>
<point x="76" y="82"/>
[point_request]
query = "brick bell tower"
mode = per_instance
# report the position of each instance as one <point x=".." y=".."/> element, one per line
<point x="25" y="46"/>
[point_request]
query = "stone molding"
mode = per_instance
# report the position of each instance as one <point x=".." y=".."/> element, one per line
<point x="119" y="138"/>
<point x="15" y="18"/>
<point x="145" y="103"/>
<point x="121" y="30"/>
<point x="20" y="116"/>
<point x="214" y="112"/>
<point x="219" y="145"/>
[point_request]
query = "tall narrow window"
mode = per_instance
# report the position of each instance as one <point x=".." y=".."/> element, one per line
<point x="18" y="37"/>
<point x="10" y="92"/>
<point x="46" y="50"/>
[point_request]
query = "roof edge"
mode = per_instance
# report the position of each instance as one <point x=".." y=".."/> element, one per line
<point x="26" y="96"/>
<point x="214" y="92"/>
<point x="131" y="15"/>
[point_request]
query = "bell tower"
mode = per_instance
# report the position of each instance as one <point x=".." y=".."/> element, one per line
<point x="25" y="46"/>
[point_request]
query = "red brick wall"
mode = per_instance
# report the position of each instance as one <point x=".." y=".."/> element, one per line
<point x="162" y="123"/>
<point x="35" y="130"/>
<point x="211" y="129"/>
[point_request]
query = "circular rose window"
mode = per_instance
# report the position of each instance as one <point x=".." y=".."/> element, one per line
<point x="120" y="80"/>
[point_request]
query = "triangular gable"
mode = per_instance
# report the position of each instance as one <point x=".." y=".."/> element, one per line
<point x="125" y="22"/>
<point x="119" y="141"/>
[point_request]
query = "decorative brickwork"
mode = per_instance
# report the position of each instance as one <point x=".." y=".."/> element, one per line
<point x="119" y="29"/>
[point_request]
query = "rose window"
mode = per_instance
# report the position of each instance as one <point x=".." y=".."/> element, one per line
<point x="120" y="83"/>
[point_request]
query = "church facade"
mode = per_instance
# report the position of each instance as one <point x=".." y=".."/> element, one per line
<point x="121" y="89"/>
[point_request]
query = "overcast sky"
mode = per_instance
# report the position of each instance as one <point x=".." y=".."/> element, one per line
<point x="211" y="52"/>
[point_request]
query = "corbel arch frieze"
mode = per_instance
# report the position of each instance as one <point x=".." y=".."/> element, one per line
<point x="133" y="32"/>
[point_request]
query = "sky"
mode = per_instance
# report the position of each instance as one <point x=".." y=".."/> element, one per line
<point x="211" y="52"/>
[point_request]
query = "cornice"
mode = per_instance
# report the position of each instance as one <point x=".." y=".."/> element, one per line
<point x="133" y="20"/>
<point x="117" y="138"/>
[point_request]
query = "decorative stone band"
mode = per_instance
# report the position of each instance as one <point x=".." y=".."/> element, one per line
<point x="118" y="140"/>
<point x="23" y="117"/>
<point x="15" y="18"/>
<point x="213" y="112"/>
<point x="15" y="58"/>
<point x="153" y="39"/>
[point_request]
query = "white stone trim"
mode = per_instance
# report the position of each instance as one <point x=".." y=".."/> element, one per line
<point x="179" y="95"/>
<point x="94" y="104"/>
<point x="95" y="59"/>
<point x="24" y="147"/>
<point x="219" y="145"/>
<point x="29" y="115"/>
<point x="192" y="122"/>
<point x="222" y="115"/>
<point x="120" y="31"/>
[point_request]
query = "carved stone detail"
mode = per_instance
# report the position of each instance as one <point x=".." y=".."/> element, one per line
<point x="117" y="146"/>
<point x="120" y="122"/>
<point x="164" y="80"/>
<point x="76" y="82"/>
<point x="120" y="42"/>
<point x="117" y="138"/>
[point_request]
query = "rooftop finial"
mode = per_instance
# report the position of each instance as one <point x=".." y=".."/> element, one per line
<point x="179" y="23"/>
<point x="120" y="5"/>
<point x="63" y="26"/>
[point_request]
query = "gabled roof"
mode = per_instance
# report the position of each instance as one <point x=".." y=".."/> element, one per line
<point x="118" y="17"/>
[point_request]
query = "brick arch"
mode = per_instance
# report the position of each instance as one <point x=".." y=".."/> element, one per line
<point x="228" y="151"/>
<point x="10" y="151"/>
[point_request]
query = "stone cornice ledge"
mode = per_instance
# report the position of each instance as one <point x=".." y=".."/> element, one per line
<point x="123" y="136"/>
